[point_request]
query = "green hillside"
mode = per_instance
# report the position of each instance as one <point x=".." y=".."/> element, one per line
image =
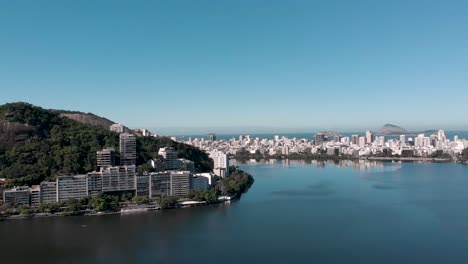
<point x="38" y="144"/>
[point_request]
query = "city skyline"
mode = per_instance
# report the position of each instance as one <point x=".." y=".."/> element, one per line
<point x="302" y="64"/>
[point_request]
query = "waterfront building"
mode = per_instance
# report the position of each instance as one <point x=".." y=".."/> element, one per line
<point x="159" y="184"/>
<point x="199" y="183"/>
<point x="117" y="128"/>
<point x="355" y="139"/>
<point x="18" y="196"/>
<point x="127" y="149"/>
<point x="180" y="182"/>
<point x="72" y="187"/>
<point x="120" y="178"/>
<point x="170" y="158"/>
<point x="48" y="192"/>
<point x="94" y="183"/>
<point x="208" y="175"/>
<point x="35" y="195"/>
<point x="220" y="162"/>
<point x="142" y="185"/>
<point x="105" y="157"/>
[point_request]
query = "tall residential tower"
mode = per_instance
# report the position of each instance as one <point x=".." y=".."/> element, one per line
<point x="127" y="149"/>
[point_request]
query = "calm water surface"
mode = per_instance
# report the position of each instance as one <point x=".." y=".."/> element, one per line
<point x="294" y="213"/>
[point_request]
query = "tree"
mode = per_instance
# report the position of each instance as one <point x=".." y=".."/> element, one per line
<point x="167" y="201"/>
<point x="73" y="206"/>
<point x="140" y="199"/>
<point x="237" y="183"/>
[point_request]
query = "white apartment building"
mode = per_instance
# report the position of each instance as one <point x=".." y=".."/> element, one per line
<point x="220" y="162"/>
<point x="117" y="128"/>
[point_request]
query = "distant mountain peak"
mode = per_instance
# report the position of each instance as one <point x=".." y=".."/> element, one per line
<point x="390" y="129"/>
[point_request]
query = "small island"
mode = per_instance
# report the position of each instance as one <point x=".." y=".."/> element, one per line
<point x="61" y="163"/>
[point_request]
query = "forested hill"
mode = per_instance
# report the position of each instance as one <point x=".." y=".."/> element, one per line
<point x="38" y="144"/>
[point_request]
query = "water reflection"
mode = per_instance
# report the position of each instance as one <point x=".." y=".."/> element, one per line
<point x="315" y="190"/>
<point x="354" y="164"/>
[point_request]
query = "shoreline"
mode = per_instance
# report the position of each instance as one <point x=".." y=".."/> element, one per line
<point x="338" y="158"/>
<point x="126" y="211"/>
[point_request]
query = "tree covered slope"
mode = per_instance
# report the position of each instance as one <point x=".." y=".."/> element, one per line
<point x="38" y="144"/>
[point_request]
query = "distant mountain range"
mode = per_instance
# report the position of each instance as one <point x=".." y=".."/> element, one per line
<point x="393" y="130"/>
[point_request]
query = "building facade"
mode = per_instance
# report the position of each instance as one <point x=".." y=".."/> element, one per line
<point x="221" y="163"/>
<point x="18" y="196"/>
<point x="35" y="195"/>
<point x="159" y="184"/>
<point x="199" y="183"/>
<point x="72" y="187"/>
<point x="105" y="157"/>
<point x="170" y="158"/>
<point x="180" y="182"/>
<point x="142" y="185"/>
<point x="127" y="149"/>
<point x="48" y="192"/>
<point x="121" y="178"/>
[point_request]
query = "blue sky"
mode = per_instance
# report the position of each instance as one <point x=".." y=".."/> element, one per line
<point x="245" y="65"/>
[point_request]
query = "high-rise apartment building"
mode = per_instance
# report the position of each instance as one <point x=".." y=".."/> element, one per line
<point x="105" y="157"/>
<point x="127" y="149"/>
<point x="159" y="184"/>
<point x="142" y="185"/>
<point x="18" y="196"/>
<point x="170" y="158"/>
<point x="369" y="137"/>
<point x="180" y="182"/>
<point x="48" y="192"/>
<point x="94" y="183"/>
<point x="220" y="162"/>
<point x="199" y="183"/>
<point x="121" y="178"/>
<point x="72" y="187"/>
<point x="362" y="141"/>
<point x="35" y="195"/>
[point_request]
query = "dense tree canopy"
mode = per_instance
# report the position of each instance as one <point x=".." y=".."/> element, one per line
<point x="59" y="145"/>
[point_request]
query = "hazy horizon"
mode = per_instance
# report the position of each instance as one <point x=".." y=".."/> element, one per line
<point x="189" y="131"/>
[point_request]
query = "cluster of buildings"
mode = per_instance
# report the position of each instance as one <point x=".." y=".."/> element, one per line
<point x="172" y="177"/>
<point x="356" y="145"/>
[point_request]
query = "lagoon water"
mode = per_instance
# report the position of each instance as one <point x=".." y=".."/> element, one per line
<point x="365" y="212"/>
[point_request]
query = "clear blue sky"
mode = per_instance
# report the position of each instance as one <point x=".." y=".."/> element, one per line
<point x="245" y="64"/>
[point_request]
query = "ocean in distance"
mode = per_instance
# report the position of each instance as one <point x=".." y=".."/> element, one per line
<point x="450" y="135"/>
<point x="296" y="212"/>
